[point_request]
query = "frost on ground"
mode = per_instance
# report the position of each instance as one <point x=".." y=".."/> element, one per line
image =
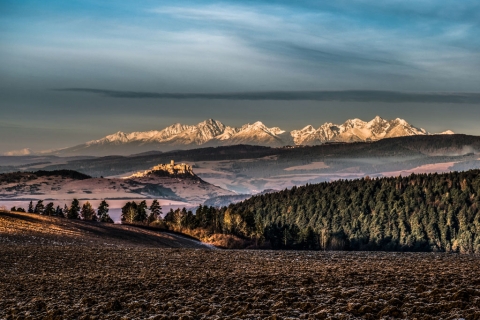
<point x="70" y="282"/>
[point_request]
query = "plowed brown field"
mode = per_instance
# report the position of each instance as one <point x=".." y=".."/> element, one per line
<point x="94" y="282"/>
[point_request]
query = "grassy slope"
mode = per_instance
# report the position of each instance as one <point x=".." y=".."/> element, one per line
<point x="32" y="229"/>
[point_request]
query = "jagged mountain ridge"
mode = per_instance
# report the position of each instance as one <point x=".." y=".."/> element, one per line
<point x="356" y="130"/>
<point x="214" y="133"/>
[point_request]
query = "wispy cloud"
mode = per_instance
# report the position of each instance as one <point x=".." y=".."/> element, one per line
<point x="234" y="15"/>
<point x="359" y="39"/>
<point x="345" y="95"/>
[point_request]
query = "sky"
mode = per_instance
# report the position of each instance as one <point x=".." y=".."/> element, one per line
<point x="73" y="71"/>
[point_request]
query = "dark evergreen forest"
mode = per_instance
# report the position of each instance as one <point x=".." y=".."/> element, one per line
<point x="420" y="212"/>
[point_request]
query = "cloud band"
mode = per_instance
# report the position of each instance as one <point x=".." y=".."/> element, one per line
<point x="345" y="95"/>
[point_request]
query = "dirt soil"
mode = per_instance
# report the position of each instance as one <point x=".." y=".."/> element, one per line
<point x="111" y="277"/>
<point x="113" y="283"/>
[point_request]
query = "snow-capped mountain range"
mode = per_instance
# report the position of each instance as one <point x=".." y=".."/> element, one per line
<point x="356" y="130"/>
<point x="214" y="133"/>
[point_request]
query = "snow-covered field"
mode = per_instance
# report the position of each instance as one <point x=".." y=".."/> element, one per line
<point x="428" y="168"/>
<point x="310" y="166"/>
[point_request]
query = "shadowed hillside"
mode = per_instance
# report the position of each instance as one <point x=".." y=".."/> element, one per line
<point x="33" y="229"/>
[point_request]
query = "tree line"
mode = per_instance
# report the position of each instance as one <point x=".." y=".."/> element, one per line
<point x="74" y="211"/>
<point x="137" y="213"/>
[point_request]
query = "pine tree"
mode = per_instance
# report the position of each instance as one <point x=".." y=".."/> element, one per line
<point x="49" y="209"/>
<point x="259" y="230"/>
<point x="39" y="207"/>
<point x="141" y="215"/>
<point x="190" y="221"/>
<point x="87" y="212"/>
<point x="170" y="216"/>
<point x="199" y="216"/>
<point x="73" y="212"/>
<point x="59" y="212"/>
<point x="308" y="239"/>
<point x="125" y="210"/>
<point x="207" y="216"/>
<point x="103" y="212"/>
<point x="155" y="211"/>
<point x="30" y="207"/>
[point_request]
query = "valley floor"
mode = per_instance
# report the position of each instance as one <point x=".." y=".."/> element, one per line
<point x="67" y="282"/>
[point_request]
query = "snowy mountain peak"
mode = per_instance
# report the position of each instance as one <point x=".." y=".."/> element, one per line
<point x="210" y="122"/>
<point x="23" y="152"/>
<point x="258" y="124"/>
<point x="215" y="127"/>
<point x="276" y="130"/>
<point x="377" y="121"/>
<point x="116" y="137"/>
<point x="214" y="133"/>
<point x="255" y="126"/>
<point x="402" y="122"/>
<point x="308" y="128"/>
<point x="351" y="123"/>
<point x="447" y="132"/>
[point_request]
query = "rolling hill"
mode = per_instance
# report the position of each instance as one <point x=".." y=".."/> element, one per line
<point x="69" y="184"/>
<point x="32" y="229"/>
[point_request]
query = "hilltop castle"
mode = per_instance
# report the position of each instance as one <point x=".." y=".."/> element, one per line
<point x="172" y="168"/>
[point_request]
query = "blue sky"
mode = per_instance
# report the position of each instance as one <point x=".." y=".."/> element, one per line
<point x="229" y="46"/>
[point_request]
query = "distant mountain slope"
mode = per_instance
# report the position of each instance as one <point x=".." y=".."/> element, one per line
<point x="413" y="146"/>
<point x="251" y="169"/>
<point x="66" y="184"/>
<point x="27" y="228"/>
<point x="258" y="134"/>
<point x="225" y="201"/>
<point x="214" y="133"/>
